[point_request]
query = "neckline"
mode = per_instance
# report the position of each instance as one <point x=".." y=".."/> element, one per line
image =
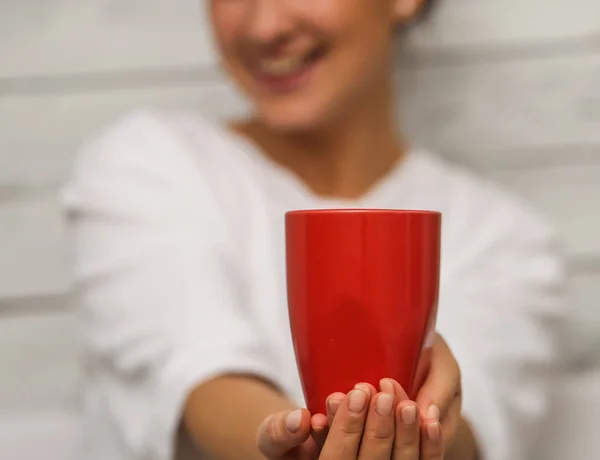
<point x="400" y="173"/>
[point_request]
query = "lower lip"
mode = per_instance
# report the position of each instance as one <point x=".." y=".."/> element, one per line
<point x="288" y="83"/>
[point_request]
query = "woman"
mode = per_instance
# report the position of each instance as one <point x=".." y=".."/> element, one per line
<point x="179" y="258"/>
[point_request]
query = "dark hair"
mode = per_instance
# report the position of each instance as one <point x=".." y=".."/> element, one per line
<point x="427" y="8"/>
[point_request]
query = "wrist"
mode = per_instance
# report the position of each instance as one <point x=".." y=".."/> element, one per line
<point x="464" y="446"/>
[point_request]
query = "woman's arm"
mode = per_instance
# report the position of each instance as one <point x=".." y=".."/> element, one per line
<point x="224" y="414"/>
<point x="502" y="312"/>
<point x="162" y="320"/>
<point x="464" y="446"/>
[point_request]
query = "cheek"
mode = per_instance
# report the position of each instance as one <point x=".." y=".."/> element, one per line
<point x="226" y="18"/>
<point x="362" y="33"/>
<point x="362" y="55"/>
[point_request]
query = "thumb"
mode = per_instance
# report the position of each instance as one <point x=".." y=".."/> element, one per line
<point x="442" y="384"/>
<point x="282" y="432"/>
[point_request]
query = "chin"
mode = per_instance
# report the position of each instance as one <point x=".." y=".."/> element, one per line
<point x="293" y="117"/>
<point x="289" y="124"/>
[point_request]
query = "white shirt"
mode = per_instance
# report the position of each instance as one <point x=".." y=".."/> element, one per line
<point x="178" y="233"/>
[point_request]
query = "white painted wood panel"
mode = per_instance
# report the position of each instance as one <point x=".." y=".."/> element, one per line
<point x="584" y="326"/>
<point x="41" y="134"/>
<point x="483" y="24"/>
<point x="486" y="112"/>
<point x="568" y="196"/>
<point x="39" y="358"/>
<point x="505" y="106"/>
<point x="40" y="435"/>
<point x="70" y="36"/>
<point x="32" y="257"/>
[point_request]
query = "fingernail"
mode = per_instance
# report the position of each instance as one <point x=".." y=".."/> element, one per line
<point x="358" y="400"/>
<point x="364" y="387"/>
<point x="318" y="427"/>
<point x="386" y="386"/>
<point x="433" y="412"/>
<point x="333" y="404"/>
<point x="409" y="415"/>
<point x="384" y="404"/>
<point x="433" y="431"/>
<point x="293" y="421"/>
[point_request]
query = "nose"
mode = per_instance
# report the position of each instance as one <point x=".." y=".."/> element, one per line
<point x="269" y="21"/>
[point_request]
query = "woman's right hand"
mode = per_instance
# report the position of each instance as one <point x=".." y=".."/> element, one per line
<point x="363" y="425"/>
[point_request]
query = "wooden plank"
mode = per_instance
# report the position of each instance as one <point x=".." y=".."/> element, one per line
<point x="481" y="24"/>
<point x="34" y="435"/>
<point x="32" y="256"/>
<point x="70" y="36"/>
<point x="567" y="196"/>
<point x="584" y="321"/>
<point x="504" y="106"/>
<point x="41" y="134"/>
<point x="39" y="358"/>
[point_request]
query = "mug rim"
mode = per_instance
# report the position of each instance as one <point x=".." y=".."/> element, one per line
<point x="376" y="211"/>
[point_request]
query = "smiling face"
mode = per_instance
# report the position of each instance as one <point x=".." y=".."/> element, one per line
<point x="303" y="63"/>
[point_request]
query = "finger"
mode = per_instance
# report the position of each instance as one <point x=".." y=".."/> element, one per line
<point x="378" y="437"/>
<point x="282" y="432"/>
<point x="407" y="440"/>
<point x="333" y="403"/>
<point x="318" y="422"/>
<point x="370" y="389"/>
<point x="393" y="387"/>
<point x="319" y="430"/>
<point x="432" y="445"/>
<point x="334" y="399"/>
<point x="451" y="422"/>
<point x="442" y="384"/>
<point x="343" y="440"/>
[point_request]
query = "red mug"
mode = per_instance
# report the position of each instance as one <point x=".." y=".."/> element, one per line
<point x="362" y="288"/>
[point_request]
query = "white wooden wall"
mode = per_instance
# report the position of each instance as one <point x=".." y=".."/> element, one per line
<point x="508" y="87"/>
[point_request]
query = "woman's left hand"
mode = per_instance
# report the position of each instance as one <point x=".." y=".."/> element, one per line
<point x="440" y="397"/>
<point x="438" y="400"/>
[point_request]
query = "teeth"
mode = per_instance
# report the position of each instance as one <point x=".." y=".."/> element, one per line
<point x="282" y="66"/>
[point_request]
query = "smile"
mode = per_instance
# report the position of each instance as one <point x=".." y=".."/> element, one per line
<point x="288" y="73"/>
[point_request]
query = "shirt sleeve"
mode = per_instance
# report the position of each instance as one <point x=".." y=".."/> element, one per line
<point x="157" y="293"/>
<point x="502" y="313"/>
